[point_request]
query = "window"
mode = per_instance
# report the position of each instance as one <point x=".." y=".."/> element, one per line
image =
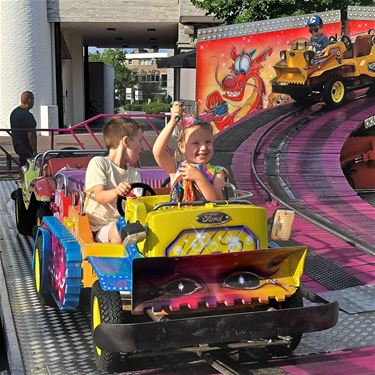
<point x="164" y="79"/>
<point x="142" y="78"/>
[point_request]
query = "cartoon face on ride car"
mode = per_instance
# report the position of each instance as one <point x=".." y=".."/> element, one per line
<point x="174" y="283"/>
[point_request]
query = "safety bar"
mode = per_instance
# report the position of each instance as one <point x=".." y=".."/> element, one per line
<point x="242" y="194"/>
<point x="80" y="200"/>
<point x="201" y="203"/>
<point x="62" y="152"/>
<point x="58" y="176"/>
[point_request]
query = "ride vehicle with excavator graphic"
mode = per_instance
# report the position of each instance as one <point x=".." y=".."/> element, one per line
<point x="341" y="67"/>
<point x="189" y="276"/>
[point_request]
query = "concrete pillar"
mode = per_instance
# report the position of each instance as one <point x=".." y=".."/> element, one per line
<point x="73" y="81"/>
<point x="25" y="56"/>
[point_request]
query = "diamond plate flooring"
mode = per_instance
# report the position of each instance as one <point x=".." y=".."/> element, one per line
<point x="54" y="342"/>
<point x="353" y="300"/>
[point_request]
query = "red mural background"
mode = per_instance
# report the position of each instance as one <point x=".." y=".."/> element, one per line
<point x="355" y="27"/>
<point x="225" y="96"/>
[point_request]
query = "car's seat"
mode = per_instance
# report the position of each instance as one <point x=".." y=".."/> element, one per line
<point x="362" y="45"/>
<point x="56" y="164"/>
<point x="348" y="54"/>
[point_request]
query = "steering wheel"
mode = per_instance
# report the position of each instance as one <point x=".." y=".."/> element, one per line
<point x="333" y="39"/>
<point x="166" y="182"/>
<point x="135" y="185"/>
<point x="348" y="43"/>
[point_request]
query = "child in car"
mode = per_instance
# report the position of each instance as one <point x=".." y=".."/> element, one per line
<point x="192" y="177"/>
<point x="107" y="177"/>
<point x="318" y="40"/>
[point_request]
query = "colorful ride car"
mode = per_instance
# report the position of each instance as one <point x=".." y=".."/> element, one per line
<point x="37" y="183"/>
<point x="341" y="67"/>
<point x="188" y="276"/>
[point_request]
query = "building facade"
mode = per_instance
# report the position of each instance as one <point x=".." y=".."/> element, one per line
<point x="151" y="79"/>
<point x="44" y="46"/>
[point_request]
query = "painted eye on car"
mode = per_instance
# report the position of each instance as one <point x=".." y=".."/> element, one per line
<point x="242" y="280"/>
<point x="182" y="287"/>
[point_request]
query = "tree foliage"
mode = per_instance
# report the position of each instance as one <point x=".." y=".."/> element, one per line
<point x="124" y="77"/>
<point x="234" y="11"/>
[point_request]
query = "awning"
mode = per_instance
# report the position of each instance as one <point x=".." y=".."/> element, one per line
<point x="182" y="60"/>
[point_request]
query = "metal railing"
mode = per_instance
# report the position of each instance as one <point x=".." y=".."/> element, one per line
<point x="74" y="131"/>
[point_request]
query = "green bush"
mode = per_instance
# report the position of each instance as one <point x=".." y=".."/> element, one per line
<point x="133" y="107"/>
<point x="155" y="107"/>
<point x="149" y="108"/>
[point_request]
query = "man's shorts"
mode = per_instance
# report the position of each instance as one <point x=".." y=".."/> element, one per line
<point x="102" y="235"/>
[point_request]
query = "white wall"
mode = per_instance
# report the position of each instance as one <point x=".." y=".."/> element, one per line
<point x="187" y="84"/>
<point x="25" y="56"/>
<point x="73" y="81"/>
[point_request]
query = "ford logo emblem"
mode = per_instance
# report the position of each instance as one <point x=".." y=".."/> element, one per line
<point x="213" y="218"/>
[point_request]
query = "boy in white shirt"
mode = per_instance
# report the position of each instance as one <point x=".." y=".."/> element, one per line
<point x="107" y="177"/>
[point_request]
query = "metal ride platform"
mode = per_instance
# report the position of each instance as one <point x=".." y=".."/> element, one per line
<point x="43" y="340"/>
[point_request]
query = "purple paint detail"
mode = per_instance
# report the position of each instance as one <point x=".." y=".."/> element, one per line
<point x="153" y="176"/>
<point x="75" y="178"/>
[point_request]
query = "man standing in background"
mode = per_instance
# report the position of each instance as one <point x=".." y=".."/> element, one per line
<point x="24" y="142"/>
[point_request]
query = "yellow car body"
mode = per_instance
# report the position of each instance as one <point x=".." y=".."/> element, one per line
<point x="341" y="67"/>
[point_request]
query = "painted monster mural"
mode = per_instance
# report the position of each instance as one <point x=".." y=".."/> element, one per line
<point x="234" y="73"/>
<point x="244" y="72"/>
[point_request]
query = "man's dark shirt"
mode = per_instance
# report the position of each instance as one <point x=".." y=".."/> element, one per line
<point x="21" y="118"/>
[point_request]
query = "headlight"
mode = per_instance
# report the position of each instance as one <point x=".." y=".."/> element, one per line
<point x="242" y="280"/>
<point x="181" y="287"/>
<point x="283" y="55"/>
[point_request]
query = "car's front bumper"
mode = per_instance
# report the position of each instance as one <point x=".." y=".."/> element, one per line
<point x="217" y="329"/>
<point x="295" y="90"/>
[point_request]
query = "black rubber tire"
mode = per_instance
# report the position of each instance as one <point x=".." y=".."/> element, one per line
<point x="23" y="220"/>
<point x="42" y="210"/>
<point x="45" y="299"/>
<point x="110" y="308"/>
<point x="327" y="95"/>
<point x="295" y="300"/>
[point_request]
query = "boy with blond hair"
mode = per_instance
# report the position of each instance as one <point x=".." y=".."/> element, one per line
<point x="107" y="177"/>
